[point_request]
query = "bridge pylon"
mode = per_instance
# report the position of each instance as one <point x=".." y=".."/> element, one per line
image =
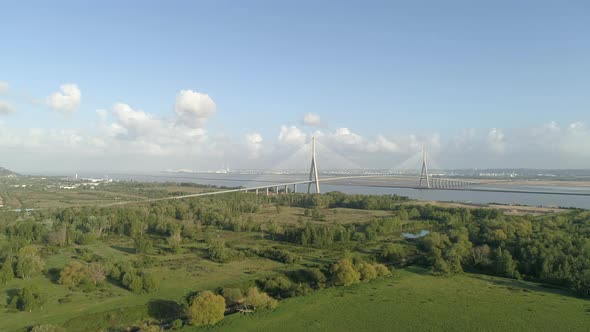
<point x="313" y="172"/>
<point x="424" y="172"/>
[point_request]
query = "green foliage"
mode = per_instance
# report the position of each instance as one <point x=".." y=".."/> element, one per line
<point x="315" y="277"/>
<point x="149" y="282"/>
<point x="29" y="298"/>
<point x="206" y="309"/>
<point x="7" y="271"/>
<point x="47" y="328"/>
<point x="219" y="252"/>
<point x="382" y="270"/>
<point x="393" y="253"/>
<point x="505" y="265"/>
<point x="73" y="274"/>
<point x="143" y="245"/>
<point x="259" y="300"/>
<point x="344" y="274"/>
<point x="176" y="324"/>
<point x="232" y="296"/>
<point x="28" y="262"/>
<point x="367" y="271"/>
<point x="133" y="282"/>
<point x="278" y="255"/>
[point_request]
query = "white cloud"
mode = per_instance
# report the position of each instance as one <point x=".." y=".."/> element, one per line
<point x="346" y="136"/>
<point x="6" y="108"/>
<point x="194" y="108"/>
<point x="67" y="100"/>
<point x="136" y="123"/>
<point x="311" y="119"/>
<point x="291" y="135"/>
<point x="383" y="144"/>
<point x="254" y="144"/>
<point x="495" y="140"/>
<point x="3" y="87"/>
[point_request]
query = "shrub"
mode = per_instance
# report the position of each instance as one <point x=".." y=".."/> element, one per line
<point x="150" y="282"/>
<point x="133" y="282"/>
<point x="233" y="296"/>
<point x="257" y="299"/>
<point x="316" y="277"/>
<point x="47" y="328"/>
<point x="176" y="324"/>
<point x="206" y="309"/>
<point x="367" y="271"/>
<point x="29" y="298"/>
<point x="344" y="274"/>
<point x="382" y="270"/>
<point x="72" y="274"/>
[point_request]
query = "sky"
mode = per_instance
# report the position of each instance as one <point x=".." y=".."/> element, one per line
<point x="154" y="85"/>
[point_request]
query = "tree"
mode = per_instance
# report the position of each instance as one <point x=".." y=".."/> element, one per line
<point x="233" y="296"/>
<point x="72" y="274"/>
<point x="96" y="272"/>
<point x="206" y="309"/>
<point x="143" y="244"/>
<point x="393" y="252"/>
<point x="150" y="282"/>
<point x="7" y="271"/>
<point x="344" y="274"/>
<point x="257" y="299"/>
<point x="47" y="328"/>
<point x="218" y="251"/>
<point x="29" y="298"/>
<point x="133" y="282"/>
<point x="367" y="271"/>
<point x="505" y="265"/>
<point x="481" y="255"/>
<point x="382" y="270"/>
<point x="28" y="263"/>
<point x="175" y="239"/>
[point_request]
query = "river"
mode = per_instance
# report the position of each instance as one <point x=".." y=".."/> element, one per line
<point x="383" y="187"/>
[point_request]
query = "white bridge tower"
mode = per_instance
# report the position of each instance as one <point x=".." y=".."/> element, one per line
<point x="424" y="173"/>
<point x="313" y="172"/>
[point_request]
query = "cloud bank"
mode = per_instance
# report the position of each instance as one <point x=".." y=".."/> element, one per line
<point x="66" y="100"/>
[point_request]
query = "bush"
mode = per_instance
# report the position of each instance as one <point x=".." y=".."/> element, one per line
<point x="47" y="328"/>
<point x="232" y="296"/>
<point x="316" y="277"/>
<point x="257" y="300"/>
<point x="367" y="271"/>
<point x="176" y="324"/>
<point x="150" y="282"/>
<point x="133" y="282"/>
<point x="344" y="274"/>
<point x="279" y="286"/>
<point x="382" y="270"/>
<point x="206" y="309"/>
<point x="29" y="298"/>
<point x="219" y="252"/>
<point x="73" y="274"/>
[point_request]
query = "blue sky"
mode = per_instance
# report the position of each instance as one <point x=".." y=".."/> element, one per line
<point x="508" y="78"/>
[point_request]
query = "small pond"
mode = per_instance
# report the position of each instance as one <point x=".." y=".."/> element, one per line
<point x="422" y="233"/>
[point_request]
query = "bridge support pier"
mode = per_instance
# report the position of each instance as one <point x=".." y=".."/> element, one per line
<point x="313" y="172"/>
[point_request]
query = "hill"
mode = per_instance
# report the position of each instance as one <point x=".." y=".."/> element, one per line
<point x="7" y="173"/>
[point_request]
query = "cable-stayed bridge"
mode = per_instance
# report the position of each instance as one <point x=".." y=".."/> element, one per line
<point x="423" y="182"/>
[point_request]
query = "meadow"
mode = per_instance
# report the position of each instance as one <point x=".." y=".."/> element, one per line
<point x="288" y="247"/>
<point x="414" y="300"/>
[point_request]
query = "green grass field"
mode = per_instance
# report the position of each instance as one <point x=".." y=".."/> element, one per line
<point x="413" y="300"/>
